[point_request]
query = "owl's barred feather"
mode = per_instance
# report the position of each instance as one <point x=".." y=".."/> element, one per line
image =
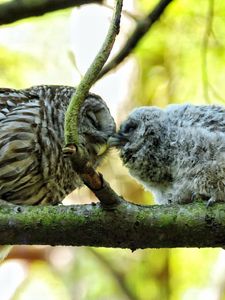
<point x="178" y="153"/>
<point x="33" y="169"/>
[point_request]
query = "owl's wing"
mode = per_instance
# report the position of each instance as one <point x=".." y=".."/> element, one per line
<point x="210" y="117"/>
<point x="11" y="98"/>
<point x="18" y="145"/>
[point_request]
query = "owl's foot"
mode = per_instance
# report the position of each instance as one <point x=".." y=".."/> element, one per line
<point x="10" y="205"/>
<point x="3" y="202"/>
<point x="211" y="201"/>
<point x="194" y="196"/>
<point x="200" y="197"/>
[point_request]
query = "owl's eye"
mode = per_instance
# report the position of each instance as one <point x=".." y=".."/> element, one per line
<point x="130" y="127"/>
<point x="93" y="120"/>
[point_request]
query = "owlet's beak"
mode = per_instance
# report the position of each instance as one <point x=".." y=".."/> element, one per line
<point x="117" y="140"/>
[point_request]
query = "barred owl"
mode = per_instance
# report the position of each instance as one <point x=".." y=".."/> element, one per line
<point x="33" y="169"/>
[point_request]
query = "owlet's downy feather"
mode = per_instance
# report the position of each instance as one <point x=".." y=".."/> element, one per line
<point x="178" y="153"/>
<point x="33" y="170"/>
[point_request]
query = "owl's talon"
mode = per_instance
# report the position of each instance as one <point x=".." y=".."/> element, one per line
<point x="3" y="202"/>
<point x="210" y="202"/>
<point x="194" y="196"/>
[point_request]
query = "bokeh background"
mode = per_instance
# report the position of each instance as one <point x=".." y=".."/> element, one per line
<point x="180" y="60"/>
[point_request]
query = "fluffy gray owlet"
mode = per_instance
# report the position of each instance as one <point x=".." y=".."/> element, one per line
<point x="177" y="153"/>
<point x="32" y="167"/>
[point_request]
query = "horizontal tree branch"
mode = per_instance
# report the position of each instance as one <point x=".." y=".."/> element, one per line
<point x="16" y="10"/>
<point x="127" y="226"/>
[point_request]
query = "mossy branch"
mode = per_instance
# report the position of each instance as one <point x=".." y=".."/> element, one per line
<point x="127" y="226"/>
<point x="72" y="114"/>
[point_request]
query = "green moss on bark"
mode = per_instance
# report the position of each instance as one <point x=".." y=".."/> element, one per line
<point x="127" y="226"/>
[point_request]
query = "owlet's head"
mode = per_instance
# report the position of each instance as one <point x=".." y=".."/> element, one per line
<point x="142" y="128"/>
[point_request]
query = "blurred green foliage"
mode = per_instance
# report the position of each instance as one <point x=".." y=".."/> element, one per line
<point x="170" y="56"/>
<point x="42" y="283"/>
<point x="169" y="68"/>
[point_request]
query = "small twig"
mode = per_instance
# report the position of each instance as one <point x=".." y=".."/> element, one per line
<point x="205" y="44"/>
<point x="73" y="60"/>
<point x="140" y="30"/>
<point x="72" y="114"/>
<point x="125" y="12"/>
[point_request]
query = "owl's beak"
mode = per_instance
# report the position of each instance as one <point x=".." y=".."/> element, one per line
<point x="101" y="149"/>
<point x="117" y="140"/>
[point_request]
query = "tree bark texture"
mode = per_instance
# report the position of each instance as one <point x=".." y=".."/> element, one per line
<point x="16" y="10"/>
<point x="126" y="226"/>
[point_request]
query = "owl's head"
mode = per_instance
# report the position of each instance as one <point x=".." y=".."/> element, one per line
<point x="143" y="128"/>
<point x="96" y="126"/>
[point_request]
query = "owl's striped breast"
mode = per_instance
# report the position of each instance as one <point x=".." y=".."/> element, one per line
<point x="32" y="168"/>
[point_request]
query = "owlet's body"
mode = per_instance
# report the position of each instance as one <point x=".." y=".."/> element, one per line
<point x="33" y="169"/>
<point x="177" y="153"/>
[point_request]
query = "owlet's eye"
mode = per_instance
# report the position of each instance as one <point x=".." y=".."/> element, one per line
<point x="130" y="127"/>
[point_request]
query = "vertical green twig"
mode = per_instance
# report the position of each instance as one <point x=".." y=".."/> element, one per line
<point x="72" y="114"/>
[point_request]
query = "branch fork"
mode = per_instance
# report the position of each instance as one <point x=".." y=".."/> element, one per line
<point x="90" y="177"/>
